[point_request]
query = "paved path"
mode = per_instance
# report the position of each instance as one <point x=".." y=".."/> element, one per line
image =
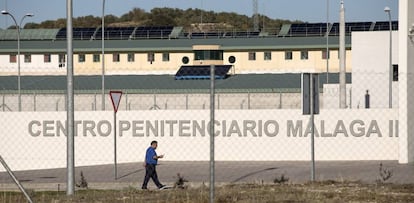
<point x="131" y="174"/>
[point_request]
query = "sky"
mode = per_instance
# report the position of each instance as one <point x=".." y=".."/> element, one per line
<point x="305" y="10"/>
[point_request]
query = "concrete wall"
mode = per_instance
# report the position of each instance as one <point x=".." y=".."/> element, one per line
<point x="36" y="140"/>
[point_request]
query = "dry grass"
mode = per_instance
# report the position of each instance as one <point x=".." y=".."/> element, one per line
<point x="327" y="191"/>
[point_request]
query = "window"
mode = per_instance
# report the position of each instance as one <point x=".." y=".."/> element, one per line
<point x="208" y="55"/>
<point x="13" y="58"/>
<point x="304" y="55"/>
<point x="115" y="57"/>
<point x="395" y="73"/>
<point x="252" y="56"/>
<point x="185" y="60"/>
<point x="96" y="58"/>
<point x="151" y="57"/>
<point x="324" y="54"/>
<point x="288" y="55"/>
<point x="46" y="58"/>
<point x="165" y="56"/>
<point x="27" y="58"/>
<point x="131" y="57"/>
<point x="81" y="58"/>
<point x="62" y="60"/>
<point x="268" y="56"/>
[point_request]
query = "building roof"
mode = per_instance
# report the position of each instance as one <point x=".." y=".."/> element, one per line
<point x="173" y="45"/>
<point x="287" y="82"/>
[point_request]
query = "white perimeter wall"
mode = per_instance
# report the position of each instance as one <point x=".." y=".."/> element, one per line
<point x="30" y="140"/>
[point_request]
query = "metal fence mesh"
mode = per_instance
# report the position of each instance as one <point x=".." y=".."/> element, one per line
<point x="259" y="137"/>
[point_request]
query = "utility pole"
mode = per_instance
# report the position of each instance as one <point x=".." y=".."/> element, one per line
<point x="256" y="15"/>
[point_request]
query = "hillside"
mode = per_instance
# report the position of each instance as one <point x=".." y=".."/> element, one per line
<point x="191" y="19"/>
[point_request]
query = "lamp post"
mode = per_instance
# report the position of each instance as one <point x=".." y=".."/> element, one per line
<point x="18" y="26"/>
<point x="103" y="55"/>
<point x="388" y="10"/>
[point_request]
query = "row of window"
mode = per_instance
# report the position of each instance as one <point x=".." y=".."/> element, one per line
<point x="199" y="55"/>
<point x="304" y="55"/>
<point x="96" y="58"/>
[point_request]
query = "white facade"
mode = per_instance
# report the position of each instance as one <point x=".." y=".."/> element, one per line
<point x="406" y="83"/>
<point x="370" y="62"/>
<point x="36" y="66"/>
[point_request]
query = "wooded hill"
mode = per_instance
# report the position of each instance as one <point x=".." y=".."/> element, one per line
<point x="190" y="19"/>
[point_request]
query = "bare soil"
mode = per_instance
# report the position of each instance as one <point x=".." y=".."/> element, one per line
<point x="327" y="191"/>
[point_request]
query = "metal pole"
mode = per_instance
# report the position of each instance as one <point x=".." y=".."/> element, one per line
<point x="34" y="101"/>
<point x="342" y="55"/>
<point x="126" y="101"/>
<point x="388" y="10"/>
<point x="327" y="41"/>
<point x="4" y="104"/>
<point x="18" y="66"/>
<point x="70" y="105"/>
<point x="18" y="53"/>
<point x="103" y="55"/>
<point x="186" y="101"/>
<point x="29" y="199"/>
<point x="312" y="126"/>
<point x="248" y="100"/>
<point x="212" y="119"/>
<point x="115" y="162"/>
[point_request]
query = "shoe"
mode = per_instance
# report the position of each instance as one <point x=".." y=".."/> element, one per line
<point x="163" y="187"/>
<point x="144" y="188"/>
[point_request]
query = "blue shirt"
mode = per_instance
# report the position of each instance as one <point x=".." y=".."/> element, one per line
<point x="149" y="156"/>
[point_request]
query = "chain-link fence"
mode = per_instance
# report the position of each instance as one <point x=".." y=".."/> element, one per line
<point x="259" y="138"/>
<point x="184" y="101"/>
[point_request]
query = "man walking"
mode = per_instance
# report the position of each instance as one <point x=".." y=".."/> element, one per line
<point x="151" y="160"/>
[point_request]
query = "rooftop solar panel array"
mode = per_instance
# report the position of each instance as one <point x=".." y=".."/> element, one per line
<point x="221" y="34"/>
<point x="78" y="33"/>
<point x="350" y="27"/>
<point x="385" y="25"/>
<point x="307" y="29"/>
<point x="115" y="32"/>
<point x="201" y="72"/>
<point x="152" y="32"/>
<point x="164" y="32"/>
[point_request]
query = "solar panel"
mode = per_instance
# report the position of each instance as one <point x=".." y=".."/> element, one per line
<point x="242" y="34"/>
<point x="153" y="32"/>
<point x="115" y="32"/>
<point x="385" y="25"/>
<point x="83" y="33"/>
<point x="201" y="72"/>
<point x="307" y="29"/>
<point x="61" y="34"/>
<point x="78" y="33"/>
<point x="357" y="26"/>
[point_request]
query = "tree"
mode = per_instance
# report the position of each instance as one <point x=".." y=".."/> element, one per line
<point x="189" y="19"/>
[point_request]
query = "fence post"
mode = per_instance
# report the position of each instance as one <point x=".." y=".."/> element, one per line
<point x="3" y="105"/>
<point x="34" y="101"/>
<point x="29" y="199"/>
<point x="248" y="100"/>
<point x="186" y="101"/>
<point x="280" y="99"/>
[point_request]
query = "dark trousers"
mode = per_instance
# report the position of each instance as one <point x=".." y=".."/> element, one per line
<point x="151" y="172"/>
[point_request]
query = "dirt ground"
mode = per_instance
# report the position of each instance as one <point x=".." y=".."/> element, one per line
<point x="327" y="191"/>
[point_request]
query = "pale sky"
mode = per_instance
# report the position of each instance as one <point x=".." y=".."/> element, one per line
<point x="305" y="10"/>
